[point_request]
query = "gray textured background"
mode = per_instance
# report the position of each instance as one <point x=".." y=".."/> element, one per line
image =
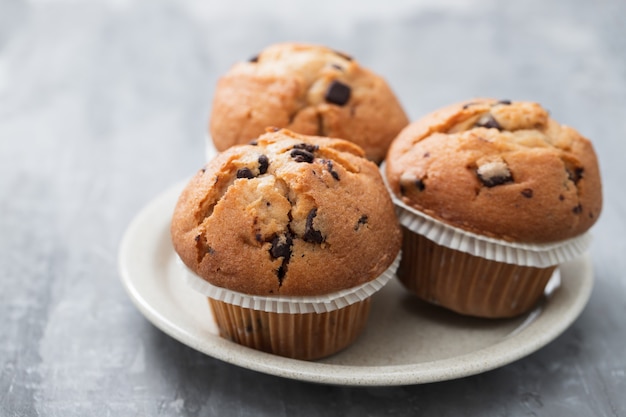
<point x="104" y="104"/>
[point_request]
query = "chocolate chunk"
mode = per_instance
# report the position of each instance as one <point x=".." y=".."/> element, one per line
<point x="488" y="121"/>
<point x="203" y="170"/>
<point x="504" y="102"/>
<point x="282" y="270"/>
<point x="337" y="67"/>
<point x="301" y="155"/>
<point x="575" y="175"/>
<point x="310" y="234"/>
<point x="578" y="209"/>
<point x="329" y="165"/>
<point x="402" y="190"/>
<point x="244" y="173"/>
<point x="281" y="246"/>
<point x="467" y="105"/>
<point x="561" y="198"/>
<point x="253" y="142"/>
<point x="272" y="129"/>
<point x="362" y="221"/>
<point x="254" y="59"/>
<point x="527" y="192"/>
<point x="337" y="93"/>
<point x="426" y="154"/>
<point x="494" y="173"/>
<point x="307" y="147"/>
<point x="264" y="163"/>
<point x="493" y="181"/>
<point x="420" y="184"/>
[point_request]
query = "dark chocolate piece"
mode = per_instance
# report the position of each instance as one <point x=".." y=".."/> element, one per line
<point x="254" y="59"/>
<point x="281" y="246"/>
<point x="310" y="234"/>
<point x="495" y="180"/>
<point x="467" y="105"/>
<point x="488" y="121"/>
<point x="337" y="67"/>
<point x="527" y="192"/>
<point x="306" y="146"/>
<point x="329" y="165"/>
<point x="282" y="270"/>
<point x="264" y="163"/>
<point x="244" y="173"/>
<point x="504" y="102"/>
<point x="575" y="175"/>
<point x="420" y="184"/>
<point x="338" y="93"/>
<point x="578" y="209"/>
<point x="362" y="221"/>
<point x="301" y="155"/>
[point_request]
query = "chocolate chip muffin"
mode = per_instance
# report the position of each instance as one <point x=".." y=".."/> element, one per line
<point x="308" y="89"/>
<point x="288" y="216"/>
<point x="498" y="168"/>
<point x="493" y="195"/>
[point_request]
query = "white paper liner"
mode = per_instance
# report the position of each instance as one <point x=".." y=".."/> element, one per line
<point x="524" y="254"/>
<point x="292" y="305"/>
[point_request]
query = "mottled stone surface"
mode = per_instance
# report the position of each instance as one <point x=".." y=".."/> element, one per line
<point x="104" y="104"/>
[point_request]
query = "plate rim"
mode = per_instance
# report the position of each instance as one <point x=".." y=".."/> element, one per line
<point x="499" y="354"/>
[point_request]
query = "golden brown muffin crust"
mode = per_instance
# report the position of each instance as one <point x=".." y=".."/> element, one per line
<point x="308" y="89"/>
<point x="289" y="215"/>
<point x="498" y="168"/>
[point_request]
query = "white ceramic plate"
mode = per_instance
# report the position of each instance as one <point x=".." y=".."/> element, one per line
<point x="405" y="341"/>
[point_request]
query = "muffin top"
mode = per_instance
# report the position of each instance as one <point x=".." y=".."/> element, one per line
<point x="498" y="168"/>
<point x="309" y="89"/>
<point x="287" y="215"/>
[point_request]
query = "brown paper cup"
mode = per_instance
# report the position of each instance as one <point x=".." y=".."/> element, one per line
<point x="469" y="284"/>
<point x="304" y="328"/>
<point x="304" y="336"/>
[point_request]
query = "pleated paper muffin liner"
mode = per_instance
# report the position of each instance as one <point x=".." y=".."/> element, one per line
<point x="525" y="254"/>
<point x="305" y="328"/>
<point x="306" y="336"/>
<point x="469" y="284"/>
<point x="292" y="304"/>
